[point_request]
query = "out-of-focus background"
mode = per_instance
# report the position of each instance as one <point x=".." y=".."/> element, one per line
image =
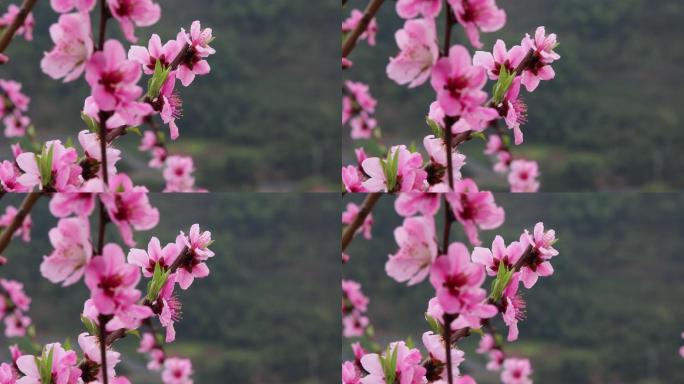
<point x="609" y="314"/>
<point x="261" y="120"/>
<point x="611" y="119"/>
<point x="267" y="313"/>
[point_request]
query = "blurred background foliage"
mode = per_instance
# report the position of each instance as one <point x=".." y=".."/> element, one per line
<point x="267" y="313"/>
<point x="609" y="315"/>
<point x="610" y="120"/>
<point x="262" y="119"/>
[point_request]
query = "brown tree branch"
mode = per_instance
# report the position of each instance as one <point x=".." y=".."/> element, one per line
<point x="353" y="37"/>
<point x="366" y="208"/>
<point x="18" y="21"/>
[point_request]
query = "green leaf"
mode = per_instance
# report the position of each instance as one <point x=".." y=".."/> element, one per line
<point x="67" y="344"/>
<point x="135" y="130"/>
<point x="93" y="125"/>
<point x="157" y="80"/>
<point x="479" y="135"/>
<point x="502" y="84"/>
<point x="435" y="326"/>
<point x="436" y="129"/>
<point x="409" y="342"/>
<point x="90" y="325"/>
<point x="134" y="332"/>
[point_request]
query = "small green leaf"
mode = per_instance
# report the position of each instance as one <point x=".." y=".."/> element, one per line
<point x="157" y="80"/>
<point x="134" y="332"/>
<point x="135" y="130"/>
<point x="435" y="326"/>
<point x="93" y="125"/>
<point x="436" y="129"/>
<point x="409" y="342"/>
<point x="90" y="325"/>
<point x="479" y="135"/>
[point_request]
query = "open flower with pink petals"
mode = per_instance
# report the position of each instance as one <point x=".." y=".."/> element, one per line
<point x="170" y="105"/>
<point x="542" y="241"/>
<point x="16" y="324"/>
<point x="523" y="176"/>
<point x="9" y="173"/>
<point x="178" y="172"/>
<point x="457" y="282"/>
<point x="543" y="54"/>
<point x="353" y="297"/>
<point x="457" y="82"/>
<point x="132" y="13"/>
<point x="194" y="63"/>
<point x="417" y="250"/>
<point x="73" y="47"/>
<point x="500" y="253"/>
<point x="90" y="142"/>
<point x="155" y="52"/>
<point x="113" y="81"/>
<point x="474" y="209"/>
<point x="417" y="43"/>
<point x="155" y="255"/>
<point x="168" y="308"/>
<point x="72" y="251"/>
<point x="112" y="283"/>
<point x="476" y="16"/>
<point x="516" y="371"/>
<point x="129" y="207"/>
<point x="193" y="264"/>
<point x="500" y="58"/>
<point x="7" y="375"/>
<point x="177" y="371"/>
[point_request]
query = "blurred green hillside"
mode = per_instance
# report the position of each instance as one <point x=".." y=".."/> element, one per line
<point x="610" y="314"/>
<point x="267" y="313"/>
<point x="612" y="118"/>
<point x="260" y="120"/>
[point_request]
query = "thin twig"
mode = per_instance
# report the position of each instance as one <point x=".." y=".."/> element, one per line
<point x="368" y="15"/>
<point x="18" y="21"/>
<point x="24" y="209"/>
<point x="366" y="208"/>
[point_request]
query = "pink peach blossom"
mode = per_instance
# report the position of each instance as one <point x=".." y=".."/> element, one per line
<point x="155" y="254"/>
<point x="128" y="207"/>
<point x="177" y="371"/>
<point x="417" y="250"/>
<point x="198" y="40"/>
<point x="417" y="43"/>
<point x="516" y="371"/>
<point x="90" y="346"/>
<point x="474" y="209"/>
<point x="523" y="176"/>
<point x="73" y="47"/>
<point x="543" y="55"/>
<point x="155" y="52"/>
<point x="457" y="82"/>
<point x="72" y="251"/>
<point x="196" y="243"/>
<point x="500" y="58"/>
